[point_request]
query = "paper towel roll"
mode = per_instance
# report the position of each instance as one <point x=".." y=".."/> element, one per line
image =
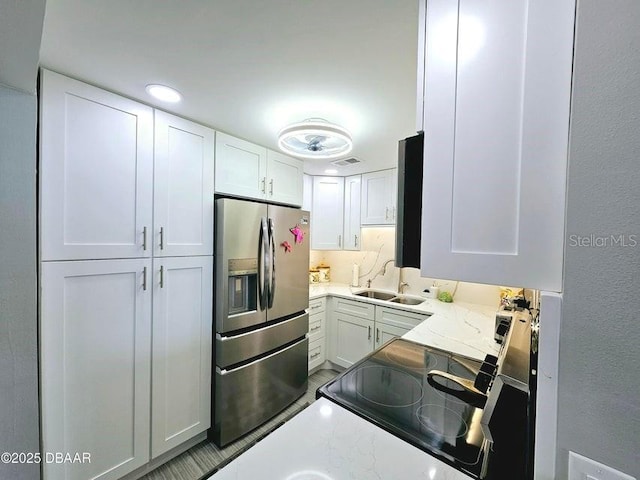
<point x="355" y="275"/>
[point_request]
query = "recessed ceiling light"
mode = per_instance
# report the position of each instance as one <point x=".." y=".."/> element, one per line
<point x="331" y="171"/>
<point x="315" y="138"/>
<point x="164" y="93"/>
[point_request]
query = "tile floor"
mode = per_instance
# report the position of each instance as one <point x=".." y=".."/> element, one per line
<point x="204" y="457"/>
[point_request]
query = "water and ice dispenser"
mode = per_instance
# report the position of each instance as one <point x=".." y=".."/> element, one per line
<point x="243" y="285"/>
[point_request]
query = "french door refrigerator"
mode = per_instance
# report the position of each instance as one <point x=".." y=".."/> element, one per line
<point x="261" y="293"/>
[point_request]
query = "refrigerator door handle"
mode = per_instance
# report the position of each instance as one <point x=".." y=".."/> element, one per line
<point x="263" y="263"/>
<point x="272" y="281"/>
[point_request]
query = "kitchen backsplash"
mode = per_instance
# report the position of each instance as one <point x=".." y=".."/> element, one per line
<point x="378" y="246"/>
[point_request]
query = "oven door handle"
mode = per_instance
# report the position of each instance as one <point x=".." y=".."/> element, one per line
<point x="469" y="392"/>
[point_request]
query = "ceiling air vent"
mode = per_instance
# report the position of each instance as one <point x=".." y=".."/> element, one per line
<point x="345" y="162"/>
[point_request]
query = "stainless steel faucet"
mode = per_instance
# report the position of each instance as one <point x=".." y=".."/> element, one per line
<point x="401" y="283"/>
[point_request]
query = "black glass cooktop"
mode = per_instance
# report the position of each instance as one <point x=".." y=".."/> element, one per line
<point x="391" y="389"/>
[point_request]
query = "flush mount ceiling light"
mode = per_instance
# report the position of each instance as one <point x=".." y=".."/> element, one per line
<point x="315" y="138"/>
<point x="164" y="93"/>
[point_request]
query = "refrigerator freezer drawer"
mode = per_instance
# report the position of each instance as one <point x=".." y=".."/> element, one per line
<point x="251" y="394"/>
<point x="234" y="349"/>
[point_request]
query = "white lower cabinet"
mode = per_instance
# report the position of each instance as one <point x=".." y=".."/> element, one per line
<point x="317" y="323"/>
<point x="316" y="353"/>
<point x="392" y="323"/>
<point x="95" y="337"/>
<point x="97" y="356"/>
<point x="353" y="338"/>
<point x="181" y="351"/>
<point x="357" y="328"/>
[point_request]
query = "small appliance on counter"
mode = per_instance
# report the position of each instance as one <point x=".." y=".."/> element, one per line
<point x="261" y="294"/>
<point x="473" y="415"/>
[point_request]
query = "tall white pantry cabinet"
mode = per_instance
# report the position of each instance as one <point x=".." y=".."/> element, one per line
<point x="126" y="250"/>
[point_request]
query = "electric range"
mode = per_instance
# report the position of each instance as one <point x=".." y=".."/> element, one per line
<point x="433" y="399"/>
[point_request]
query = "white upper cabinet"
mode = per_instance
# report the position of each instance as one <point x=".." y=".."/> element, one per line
<point x="327" y="208"/>
<point x="307" y="192"/>
<point x="352" y="237"/>
<point x="244" y="169"/>
<point x="183" y="187"/>
<point x="241" y="167"/>
<point x="497" y="80"/>
<point x="96" y="170"/>
<point x="379" y="197"/>
<point x="181" y="365"/>
<point x="284" y="179"/>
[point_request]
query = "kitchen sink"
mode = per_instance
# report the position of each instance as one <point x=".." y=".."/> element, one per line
<point x="376" y="294"/>
<point x="407" y="300"/>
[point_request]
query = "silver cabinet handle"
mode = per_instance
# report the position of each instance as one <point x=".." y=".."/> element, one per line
<point x="144" y="238"/>
<point x="161" y="238"/>
<point x="377" y="335"/>
<point x="161" y="276"/>
<point x="316" y="328"/>
<point x="314" y="355"/>
<point x="339" y="240"/>
<point x="271" y="187"/>
<point x="393" y="213"/>
<point x="369" y="332"/>
<point x="264" y="185"/>
<point x="386" y="213"/>
<point x="144" y="278"/>
<point x="355" y="240"/>
<point x="315" y="306"/>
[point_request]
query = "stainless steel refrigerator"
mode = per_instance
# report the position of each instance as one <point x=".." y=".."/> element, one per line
<point x="261" y="293"/>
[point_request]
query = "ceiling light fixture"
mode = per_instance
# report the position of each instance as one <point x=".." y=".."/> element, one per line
<point x="331" y="171"/>
<point x="163" y="93"/>
<point x="315" y="138"/>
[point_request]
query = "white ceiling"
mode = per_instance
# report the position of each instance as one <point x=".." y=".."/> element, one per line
<point x="251" y="67"/>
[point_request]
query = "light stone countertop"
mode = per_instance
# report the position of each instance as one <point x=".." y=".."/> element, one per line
<point x="463" y="328"/>
<point x="327" y="442"/>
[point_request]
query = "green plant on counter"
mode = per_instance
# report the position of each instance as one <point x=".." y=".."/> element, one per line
<point x="445" y="297"/>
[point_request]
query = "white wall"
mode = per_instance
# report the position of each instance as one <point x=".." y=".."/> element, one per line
<point x="599" y="391"/>
<point x="18" y="324"/>
<point x="378" y="246"/>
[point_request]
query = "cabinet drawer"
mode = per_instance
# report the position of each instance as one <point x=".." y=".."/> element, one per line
<point x="317" y="305"/>
<point x="316" y="353"/>
<point x="350" y="307"/>
<point x="399" y="318"/>
<point x="316" y="325"/>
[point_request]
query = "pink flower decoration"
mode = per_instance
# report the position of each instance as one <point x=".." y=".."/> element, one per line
<point x="298" y="233"/>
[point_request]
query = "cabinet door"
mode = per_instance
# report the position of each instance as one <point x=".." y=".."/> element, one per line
<point x="352" y="199"/>
<point x="183" y="187"/>
<point x="497" y="95"/>
<point x="284" y="179"/>
<point x="353" y="339"/>
<point x="241" y="167"/>
<point x="327" y="223"/>
<point x="379" y="197"/>
<point x="95" y="336"/>
<point x="96" y="171"/>
<point x="316" y="353"/>
<point x="307" y="192"/>
<point x="181" y="355"/>
<point x="385" y="332"/>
